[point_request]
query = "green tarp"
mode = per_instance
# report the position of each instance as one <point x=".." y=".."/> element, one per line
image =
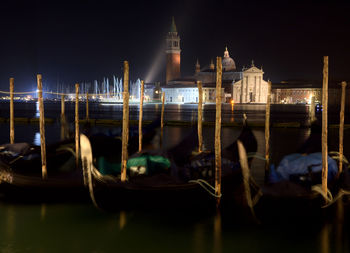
<point x="144" y="164"/>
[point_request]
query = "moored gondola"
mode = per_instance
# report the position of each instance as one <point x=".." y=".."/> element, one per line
<point x="293" y="190"/>
<point x="21" y="178"/>
<point x="183" y="182"/>
<point x="20" y="168"/>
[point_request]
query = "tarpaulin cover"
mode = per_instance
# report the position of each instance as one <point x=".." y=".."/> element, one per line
<point x="153" y="165"/>
<point x="299" y="164"/>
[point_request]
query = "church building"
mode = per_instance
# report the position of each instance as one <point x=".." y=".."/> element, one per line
<point x="245" y="86"/>
<point x="251" y="88"/>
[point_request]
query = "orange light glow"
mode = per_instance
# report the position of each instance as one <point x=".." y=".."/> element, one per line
<point x="232" y="102"/>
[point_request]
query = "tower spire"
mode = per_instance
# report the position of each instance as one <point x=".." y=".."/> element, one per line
<point x="226" y="54"/>
<point x="198" y="67"/>
<point x="173" y="26"/>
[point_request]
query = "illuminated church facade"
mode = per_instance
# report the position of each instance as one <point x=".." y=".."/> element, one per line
<point x="251" y="88"/>
<point x="246" y="86"/>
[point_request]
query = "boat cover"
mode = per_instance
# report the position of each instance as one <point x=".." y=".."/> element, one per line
<point x="299" y="164"/>
<point x="144" y="164"/>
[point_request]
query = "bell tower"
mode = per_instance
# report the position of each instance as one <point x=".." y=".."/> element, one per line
<point x="172" y="53"/>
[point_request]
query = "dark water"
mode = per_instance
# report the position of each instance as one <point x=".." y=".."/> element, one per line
<point x="82" y="228"/>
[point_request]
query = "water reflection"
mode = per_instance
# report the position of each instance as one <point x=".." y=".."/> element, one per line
<point x="324" y="240"/>
<point x="64" y="128"/>
<point x="11" y="222"/>
<point x="42" y="212"/>
<point x="122" y="220"/>
<point x="37" y="139"/>
<point x="217" y="246"/>
<point x="199" y="238"/>
<point x="339" y="227"/>
<point x="37" y="112"/>
<point x="232" y="119"/>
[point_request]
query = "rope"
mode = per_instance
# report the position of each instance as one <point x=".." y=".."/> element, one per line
<point x="255" y="155"/>
<point x="340" y="194"/>
<point x="69" y="149"/>
<point x="336" y="156"/>
<point x="327" y="196"/>
<point x="256" y="187"/>
<point x="206" y="186"/>
<point x="18" y="93"/>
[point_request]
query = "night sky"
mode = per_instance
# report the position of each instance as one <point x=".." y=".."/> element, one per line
<point x="75" y="41"/>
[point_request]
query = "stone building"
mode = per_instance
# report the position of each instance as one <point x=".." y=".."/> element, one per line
<point x="187" y="92"/>
<point x="251" y="88"/>
<point x="207" y="74"/>
<point x="301" y="92"/>
<point x="295" y="92"/>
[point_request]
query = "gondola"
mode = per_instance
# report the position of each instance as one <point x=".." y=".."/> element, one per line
<point x="21" y="175"/>
<point x="297" y="194"/>
<point x="185" y="185"/>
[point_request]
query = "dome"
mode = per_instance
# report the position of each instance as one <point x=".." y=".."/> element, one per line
<point x="228" y="64"/>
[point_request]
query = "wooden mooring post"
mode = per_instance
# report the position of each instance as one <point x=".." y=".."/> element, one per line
<point x="141" y="114"/>
<point x="341" y="126"/>
<point x="77" y="124"/>
<point x="324" y="125"/>
<point x="312" y="110"/>
<point x="63" y="119"/>
<point x="267" y="130"/>
<point x="42" y="127"/>
<point x="218" y="130"/>
<point x="125" y="134"/>
<point x="62" y="106"/>
<point x="200" y="116"/>
<point x="87" y="106"/>
<point x="162" y="120"/>
<point x="12" y="120"/>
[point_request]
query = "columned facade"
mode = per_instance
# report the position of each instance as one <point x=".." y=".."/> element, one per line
<point x="251" y="88"/>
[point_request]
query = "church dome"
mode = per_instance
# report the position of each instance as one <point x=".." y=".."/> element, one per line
<point x="228" y="64"/>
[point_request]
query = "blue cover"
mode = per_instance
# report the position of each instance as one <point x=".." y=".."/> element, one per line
<point x="298" y="164"/>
